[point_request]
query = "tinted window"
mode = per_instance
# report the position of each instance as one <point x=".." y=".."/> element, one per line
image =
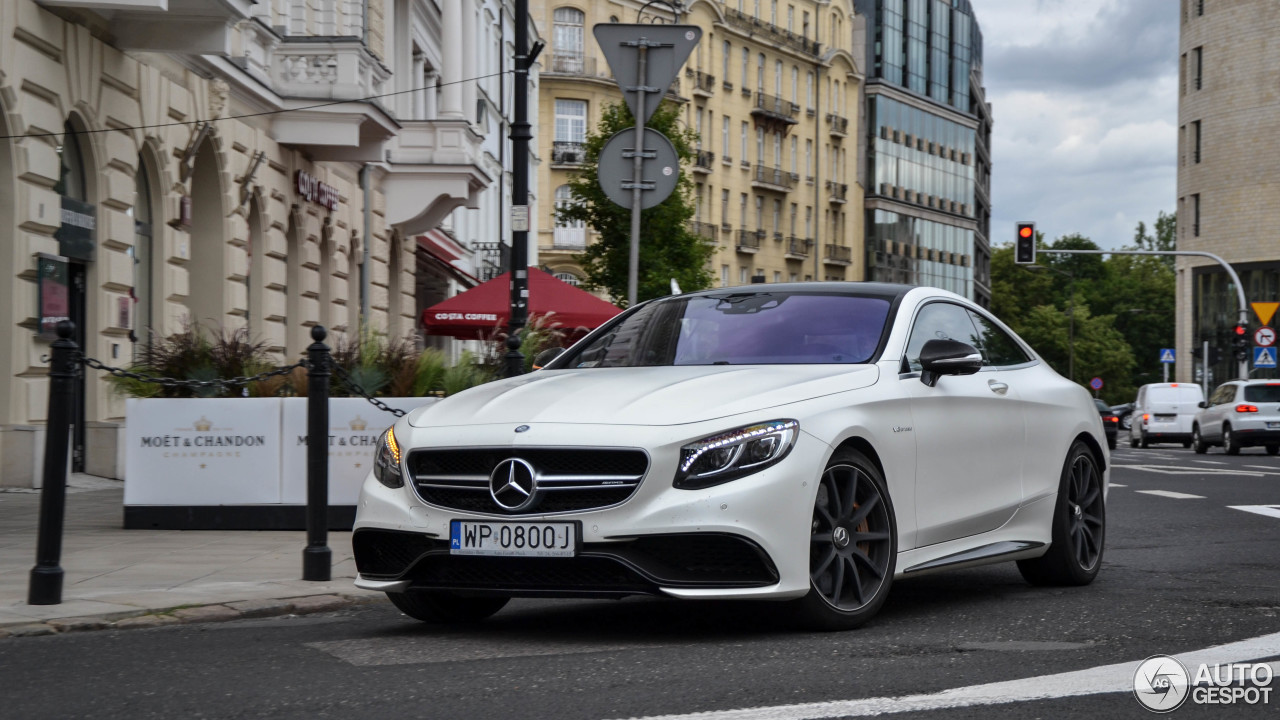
<point x="940" y="321"/>
<point x="1102" y="406"/>
<point x="998" y="349"/>
<point x="1224" y="394"/>
<point x="1268" y="393"/>
<point x="742" y="328"/>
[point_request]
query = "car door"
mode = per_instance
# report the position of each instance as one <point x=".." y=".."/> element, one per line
<point x="969" y="433"/>
<point x="1219" y="405"/>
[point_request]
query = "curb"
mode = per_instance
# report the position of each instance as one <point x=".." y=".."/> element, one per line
<point x="189" y="614"/>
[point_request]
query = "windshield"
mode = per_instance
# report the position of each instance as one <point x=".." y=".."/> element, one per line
<point x="742" y="328"/>
<point x="1268" y="393"/>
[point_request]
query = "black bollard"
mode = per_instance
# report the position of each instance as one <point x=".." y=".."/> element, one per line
<point x="317" y="558"/>
<point x="46" y="577"/>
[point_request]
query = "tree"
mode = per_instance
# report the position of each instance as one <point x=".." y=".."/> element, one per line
<point x="667" y="248"/>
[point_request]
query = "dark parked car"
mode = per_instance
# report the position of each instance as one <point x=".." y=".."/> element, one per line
<point x="1110" y="422"/>
<point x="1124" y="412"/>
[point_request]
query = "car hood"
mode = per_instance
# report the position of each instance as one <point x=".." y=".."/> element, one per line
<point x="641" y="395"/>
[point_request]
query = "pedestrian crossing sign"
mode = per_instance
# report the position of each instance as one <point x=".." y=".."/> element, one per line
<point x="1166" y="355"/>
<point x="1264" y="357"/>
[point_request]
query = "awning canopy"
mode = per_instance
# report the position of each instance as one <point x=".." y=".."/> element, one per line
<point x="485" y="310"/>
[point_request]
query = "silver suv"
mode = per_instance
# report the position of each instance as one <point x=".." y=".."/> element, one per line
<point x="1239" y="414"/>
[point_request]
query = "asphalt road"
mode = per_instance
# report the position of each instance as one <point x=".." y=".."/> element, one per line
<point x="1184" y="570"/>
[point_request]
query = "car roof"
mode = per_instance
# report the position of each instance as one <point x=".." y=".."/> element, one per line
<point x="888" y="291"/>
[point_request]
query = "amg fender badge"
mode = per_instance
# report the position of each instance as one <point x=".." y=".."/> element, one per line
<point x="899" y="428"/>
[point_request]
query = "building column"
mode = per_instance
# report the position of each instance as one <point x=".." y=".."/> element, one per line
<point x="431" y="103"/>
<point x="471" y="59"/>
<point x="419" y="80"/>
<point x="451" y="32"/>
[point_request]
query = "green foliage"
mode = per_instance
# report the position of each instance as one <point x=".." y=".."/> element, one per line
<point x="667" y="248"/>
<point x="466" y="374"/>
<point x="428" y="376"/>
<point x="196" y="354"/>
<point x="1137" y="293"/>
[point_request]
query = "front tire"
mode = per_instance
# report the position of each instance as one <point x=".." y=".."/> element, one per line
<point x="1197" y="442"/>
<point x="438" y="606"/>
<point x="1273" y="449"/>
<point x="1079" y="526"/>
<point x="853" y="545"/>
<point x="1229" y="444"/>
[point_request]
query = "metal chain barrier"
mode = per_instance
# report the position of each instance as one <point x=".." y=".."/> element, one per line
<point x="223" y="383"/>
<point x="355" y="388"/>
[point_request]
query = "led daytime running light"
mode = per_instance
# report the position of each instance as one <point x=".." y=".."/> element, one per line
<point x="734" y="437"/>
<point x="393" y="446"/>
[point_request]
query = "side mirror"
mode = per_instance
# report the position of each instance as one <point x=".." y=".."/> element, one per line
<point x="1203" y="404"/>
<point x="947" y="357"/>
<point x="546" y="356"/>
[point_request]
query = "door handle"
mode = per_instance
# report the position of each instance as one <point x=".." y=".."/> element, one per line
<point x="998" y="387"/>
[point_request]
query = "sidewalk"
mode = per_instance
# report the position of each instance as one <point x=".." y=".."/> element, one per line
<point x="140" y="578"/>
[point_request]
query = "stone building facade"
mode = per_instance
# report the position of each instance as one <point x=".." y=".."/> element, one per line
<point x="269" y="165"/>
<point x="1228" y="182"/>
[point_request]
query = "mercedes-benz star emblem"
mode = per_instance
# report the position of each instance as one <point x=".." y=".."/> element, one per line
<point x="513" y="484"/>
<point x="522" y="428"/>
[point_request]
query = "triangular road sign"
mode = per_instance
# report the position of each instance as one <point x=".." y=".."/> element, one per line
<point x="668" y="47"/>
<point x="1265" y="310"/>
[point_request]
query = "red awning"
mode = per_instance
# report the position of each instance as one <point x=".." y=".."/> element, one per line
<point x="484" y="310"/>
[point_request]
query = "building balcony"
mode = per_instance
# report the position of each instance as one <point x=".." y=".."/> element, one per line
<point x="564" y="152"/>
<point x="839" y="125"/>
<point x="704" y="85"/>
<point x="838" y="255"/>
<point x="564" y="63"/>
<point x="838" y="192"/>
<point x="749" y="241"/>
<point x="707" y="231"/>
<point x="765" y="177"/>
<point x="774" y="108"/>
<point x="770" y="32"/>
<point x="184" y="27"/>
<point x="798" y="248"/>
<point x="436" y="162"/>
<point x="702" y="163"/>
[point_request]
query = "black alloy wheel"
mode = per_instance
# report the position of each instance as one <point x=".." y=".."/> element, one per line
<point x="1079" y="526"/>
<point x="1197" y="443"/>
<point x="853" y="545"/>
<point x="1229" y="444"/>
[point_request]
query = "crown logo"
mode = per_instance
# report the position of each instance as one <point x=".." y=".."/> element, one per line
<point x="359" y="423"/>
<point x="203" y="424"/>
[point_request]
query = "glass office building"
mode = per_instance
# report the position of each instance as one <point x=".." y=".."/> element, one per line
<point x="927" y="147"/>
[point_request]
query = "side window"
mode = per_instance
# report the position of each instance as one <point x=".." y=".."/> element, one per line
<point x="998" y="349"/>
<point x="939" y="321"/>
<point x="1222" y="395"/>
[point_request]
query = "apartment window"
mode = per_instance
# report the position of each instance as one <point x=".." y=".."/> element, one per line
<point x="571" y="120"/>
<point x="795" y="84"/>
<point x="808" y="158"/>
<point x="794" y="156"/>
<point x="808" y="222"/>
<point x="1199" y="8"/>
<point x="794" y="214"/>
<point x="1195" y="141"/>
<point x="759" y="212"/>
<point x="724" y="276"/>
<point x="777" y="149"/>
<point x="724" y="207"/>
<point x="777" y="276"/>
<point x="804" y="26"/>
<point x="773" y="12"/>
<point x="745" y="154"/>
<point x="760" y="72"/>
<point x="777" y="78"/>
<point x="746" y="68"/>
<point x="757" y="8"/>
<point x="791" y="17"/>
<point x="1195" y="215"/>
<point x="724" y="137"/>
<point x="742" y="209"/>
<point x="760" y="146"/>
<point x="728" y="52"/>
<point x="567" y="37"/>
<point x="742" y="274"/>
<point x="1197" y="66"/>
<point x="777" y="216"/>
<point x="808" y="92"/>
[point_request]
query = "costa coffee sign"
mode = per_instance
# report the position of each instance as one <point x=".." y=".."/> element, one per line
<point x="312" y="190"/>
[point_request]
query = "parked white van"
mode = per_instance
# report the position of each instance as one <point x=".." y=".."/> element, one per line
<point x="1164" y="413"/>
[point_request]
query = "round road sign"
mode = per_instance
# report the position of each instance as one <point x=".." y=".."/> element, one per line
<point x="615" y="168"/>
<point x="1096" y="383"/>
<point x="1264" y="336"/>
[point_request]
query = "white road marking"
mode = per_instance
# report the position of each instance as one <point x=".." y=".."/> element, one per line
<point x="1117" y="678"/>
<point x="1264" y="467"/>
<point x="1209" y="462"/>
<point x="1175" y="470"/>
<point x="1118" y="485"/>
<point x="1171" y="494"/>
<point x="1268" y="510"/>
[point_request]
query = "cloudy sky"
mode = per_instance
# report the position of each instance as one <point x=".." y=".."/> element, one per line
<point x="1084" y="95"/>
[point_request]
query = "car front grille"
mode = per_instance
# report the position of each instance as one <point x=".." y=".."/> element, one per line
<point x="568" y="479"/>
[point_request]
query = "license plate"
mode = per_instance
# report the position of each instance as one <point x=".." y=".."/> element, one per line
<point x="513" y="539"/>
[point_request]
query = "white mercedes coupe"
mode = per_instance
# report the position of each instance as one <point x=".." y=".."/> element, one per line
<point x="806" y="443"/>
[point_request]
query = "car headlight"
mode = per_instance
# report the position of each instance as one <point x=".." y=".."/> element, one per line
<point x="386" y="460"/>
<point x="730" y="455"/>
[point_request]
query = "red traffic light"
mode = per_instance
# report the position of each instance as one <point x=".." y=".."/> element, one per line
<point x="1241" y="330"/>
<point x="1025" y="231"/>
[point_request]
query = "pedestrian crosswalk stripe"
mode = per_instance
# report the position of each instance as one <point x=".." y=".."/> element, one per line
<point x="1172" y="494"/>
<point x="1268" y="510"/>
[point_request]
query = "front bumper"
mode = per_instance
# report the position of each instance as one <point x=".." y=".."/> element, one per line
<point x="747" y="538"/>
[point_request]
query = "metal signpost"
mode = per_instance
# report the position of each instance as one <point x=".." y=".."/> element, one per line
<point x="653" y="55"/>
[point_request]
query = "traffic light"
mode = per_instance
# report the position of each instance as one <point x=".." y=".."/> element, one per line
<point x="1241" y="343"/>
<point x="1024" y="247"/>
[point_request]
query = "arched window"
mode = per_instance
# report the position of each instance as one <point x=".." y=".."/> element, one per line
<point x="255" y="247"/>
<point x="145" y="267"/>
<point x="571" y="235"/>
<point x="567" y="277"/>
<point x="72" y="182"/>
<point x="568" y="39"/>
<point x="295" y="340"/>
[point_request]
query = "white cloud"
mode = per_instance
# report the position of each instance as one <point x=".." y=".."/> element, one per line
<point x="1084" y="96"/>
